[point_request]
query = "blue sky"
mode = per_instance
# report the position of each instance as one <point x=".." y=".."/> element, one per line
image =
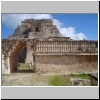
<point x="76" y="26"/>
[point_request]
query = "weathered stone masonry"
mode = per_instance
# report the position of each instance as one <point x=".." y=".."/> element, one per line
<point x="54" y="52"/>
<point x="39" y="42"/>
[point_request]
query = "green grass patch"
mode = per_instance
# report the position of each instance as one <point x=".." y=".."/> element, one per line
<point x="58" y="81"/>
<point x="83" y="76"/>
<point x="64" y="80"/>
<point x="24" y="66"/>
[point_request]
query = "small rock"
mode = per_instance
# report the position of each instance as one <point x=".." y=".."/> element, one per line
<point x="80" y="82"/>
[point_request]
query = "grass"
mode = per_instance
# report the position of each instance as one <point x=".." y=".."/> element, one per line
<point x="24" y="66"/>
<point x="83" y="76"/>
<point x="58" y="81"/>
<point x="64" y="80"/>
<point x="32" y="79"/>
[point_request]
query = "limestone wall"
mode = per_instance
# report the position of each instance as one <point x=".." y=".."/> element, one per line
<point x="53" y="55"/>
<point x="53" y="47"/>
<point x="29" y="53"/>
<point x="65" y="59"/>
<point x="66" y="64"/>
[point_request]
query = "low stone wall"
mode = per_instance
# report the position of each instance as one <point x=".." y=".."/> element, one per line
<point x="66" y="64"/>
<point x="94" y="79"/>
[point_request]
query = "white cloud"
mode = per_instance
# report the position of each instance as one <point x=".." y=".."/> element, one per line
<point x="70" y="32"/>
<point x="57" y="23"/>
<point x="12" y="20"/>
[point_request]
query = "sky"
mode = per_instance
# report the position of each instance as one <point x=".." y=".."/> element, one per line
<point x="76" y="26"/>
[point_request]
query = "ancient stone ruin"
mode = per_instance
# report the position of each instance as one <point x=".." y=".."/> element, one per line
<point x="39" y="43"/>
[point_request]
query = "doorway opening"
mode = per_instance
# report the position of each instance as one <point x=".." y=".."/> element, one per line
<point x="16" y="63"/>
<point x="24" y="67"/>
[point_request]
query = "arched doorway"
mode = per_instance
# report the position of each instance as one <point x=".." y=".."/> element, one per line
<point x="12" y="49"/>
<point x="12" y="56"/>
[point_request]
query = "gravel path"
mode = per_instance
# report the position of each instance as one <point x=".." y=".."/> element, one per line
<point x="25" y="79"/>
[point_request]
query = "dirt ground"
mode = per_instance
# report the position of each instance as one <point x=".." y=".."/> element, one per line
<point x="25" y="79"/>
